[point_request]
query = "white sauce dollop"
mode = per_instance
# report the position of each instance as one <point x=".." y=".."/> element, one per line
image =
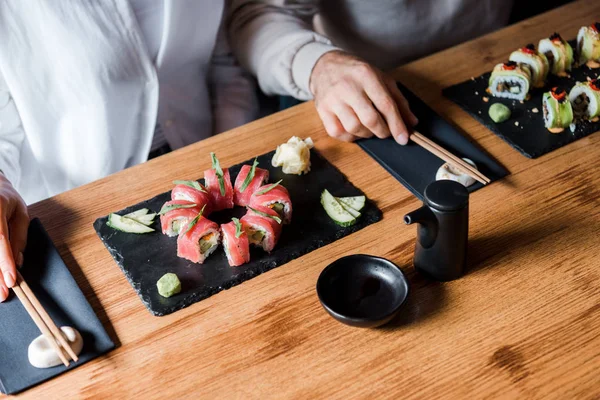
<point x="41" y="353"/>
<point x="448" y="172"/>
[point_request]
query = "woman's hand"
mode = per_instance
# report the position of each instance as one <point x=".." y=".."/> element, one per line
<point x="356" y="100"/>
<point x="14" y="222"/>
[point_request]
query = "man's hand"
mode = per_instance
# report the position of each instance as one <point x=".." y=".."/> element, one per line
<point x="356" y="100"/>
<point x="14" y="222"/>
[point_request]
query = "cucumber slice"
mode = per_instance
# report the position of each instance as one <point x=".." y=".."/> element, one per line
<point x="147" y="219"/>
<point x="335" y="210"/>
<point x="355" y="202"/>
<point x="138" y="213"/>
<point x="128" y="225"/>
<point x="349" y="209"/>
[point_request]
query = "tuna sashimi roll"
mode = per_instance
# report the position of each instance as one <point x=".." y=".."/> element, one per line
<point x="588" y="45"/>
<point x="558" y="113"/>
<point x="235" y="242"/>
<point x="218" y="184"/>
<point x="585" y="99"/>
<point x="529" y="57"/>
<point x="263" y="227"/>
<point x="177" y="214"/>
<point x="198" y="240"/>
<point x="192" y="192"/>
<point x="558" y="52"/>
<point x="510" y="81"/>
<point x="247" y="182"/>
<point x="275" y="197"/>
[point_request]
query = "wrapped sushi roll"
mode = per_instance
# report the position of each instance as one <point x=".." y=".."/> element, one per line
<point x="558" y="52"/>
<point x="176" y="214"/>
<point x="510" y="81"/>
<point x="585" y="99"/>
<point x="198" y="240"/>
<point x="247" y="182"/>
<point x="192" y="192"/>
<point x="263" y="227"/>
<point x="235" y="243"/>
<point x="275" y="197"/>
<point x="537" y="62"/>
<point x="218" y="184"/>
<point x="588" y="45"/>
<point x="558" y="113"/>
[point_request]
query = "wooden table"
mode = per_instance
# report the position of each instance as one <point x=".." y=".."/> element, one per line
<point x="524" y="322"/>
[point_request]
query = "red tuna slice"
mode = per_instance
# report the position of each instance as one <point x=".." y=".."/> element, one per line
<point x="182" y="215"/>
<point x="188" y="243"/>
<point x="242" y="198"/>
<point x="212" y="184"/>
<point x="187" y="193"/>
<point x="236" y="249"/>
<point x="278" y="194"/>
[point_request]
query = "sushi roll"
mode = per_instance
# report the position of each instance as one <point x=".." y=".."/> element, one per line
<point x="176" y="214"/>
<point x="585" y="99"/>
<point x="235" y="243"/>
<point x="275" y="197"/>
<point x="263" y="227"/>
<point x="588" y="45"/>
<point x="247" y="182"/>
<point x="218" y="184"/>
<point x="537" y="62"/>
<point x="559" y="54"/>
<point x="558" y="113"/>
<point x="198" y="239"/>
<point x="192" y="192"/>
<point x="510" y="81"/>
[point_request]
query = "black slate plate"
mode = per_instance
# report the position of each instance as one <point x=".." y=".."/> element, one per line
<point x="414" y="166"/>
<point x="145" y="258"/>
<point x="50" y="280"/>
<point x="530" y="137"/>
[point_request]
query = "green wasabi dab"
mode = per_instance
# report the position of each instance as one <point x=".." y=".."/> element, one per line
<point x="499" y="112"/>
<point x="168" y="285"/>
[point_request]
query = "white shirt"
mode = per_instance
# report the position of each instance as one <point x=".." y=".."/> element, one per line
<point x="80" y="95"/>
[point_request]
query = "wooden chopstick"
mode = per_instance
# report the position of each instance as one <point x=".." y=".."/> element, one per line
<point x="46" y="318"/>
<point x="450" y="158"/>
<point x="39" y="322"/>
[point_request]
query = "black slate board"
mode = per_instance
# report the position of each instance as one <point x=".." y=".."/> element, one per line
<point x="145" y="258"/>
<point x="414" y="166"/>
<point x="530" y="137"/>
<point x="50" y="280"/>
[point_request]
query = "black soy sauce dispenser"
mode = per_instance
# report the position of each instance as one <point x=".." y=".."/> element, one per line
<point x="443" y="231"/>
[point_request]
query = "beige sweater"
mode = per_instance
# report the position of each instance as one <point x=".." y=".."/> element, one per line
<point x="281" y="40"/>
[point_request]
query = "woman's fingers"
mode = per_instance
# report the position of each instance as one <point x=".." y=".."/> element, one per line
<point x="18" y="227"/>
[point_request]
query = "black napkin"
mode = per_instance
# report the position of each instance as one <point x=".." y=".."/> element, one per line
<point x="52" y="283"/>
<point x="414" y="166"/>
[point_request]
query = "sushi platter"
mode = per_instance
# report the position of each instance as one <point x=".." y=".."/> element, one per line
<point x="542" y="98"/>
<point x="216" y="235"/>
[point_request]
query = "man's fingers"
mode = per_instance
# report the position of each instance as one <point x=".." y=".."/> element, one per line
<point x="403" y="105"/>
<point x="369" y="117"/>
<point x="386" y="104"/>
<point x="7" y="263"/>
<point x="334" y="127"/>
<point x="3" y="290"/>
<point x="18" y="226"/>
<point x="351" y="122"/>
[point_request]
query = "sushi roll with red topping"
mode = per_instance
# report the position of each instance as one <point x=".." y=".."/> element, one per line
<point x="559" y="54"/>
<point x="588" y="45"/>
<point x="177" y="214"/>
<point x="247" y="182"/>
<point x="510" y="81"/>
<point x="218" y="184"/>
<point x="275" y="197"/>
<point x="198" y="239"/>
<point x="235" y="243"/>
<point x="263" y="227"/>
<point x="193" y="192"/>
<point x="529" y="57"/>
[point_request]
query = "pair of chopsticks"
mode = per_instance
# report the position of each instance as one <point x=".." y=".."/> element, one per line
<point x="450" y="158"/>
<point x="43" y="321"/>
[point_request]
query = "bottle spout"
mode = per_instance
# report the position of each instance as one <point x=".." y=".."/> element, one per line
<point x="422" y="215"/>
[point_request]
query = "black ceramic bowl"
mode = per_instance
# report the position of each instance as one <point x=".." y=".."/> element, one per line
<point x="362" y="290"/>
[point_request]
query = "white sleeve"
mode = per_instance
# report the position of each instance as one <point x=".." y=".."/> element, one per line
<point x="277" y="44"/>
<point x="233" y="90"/>
<point x="11" y="135"/>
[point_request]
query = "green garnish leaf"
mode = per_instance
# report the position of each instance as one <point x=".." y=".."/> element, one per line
<point x="268" y="189"/>
<point x="170" y="207"/>
<point x="263" y="214"/>
<point x="219" y="172"/>
<point x="250" y="176"/>
<point x="195" y="220"/>
<point x="192" y="184"/>
<point x="238" y="227"/>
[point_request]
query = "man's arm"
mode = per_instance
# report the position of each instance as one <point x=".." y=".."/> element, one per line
<point x="354" y="99"/>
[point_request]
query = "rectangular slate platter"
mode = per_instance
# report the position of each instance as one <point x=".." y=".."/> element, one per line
<point x="52" y="283"/>
<point x="145" y="258"/>
<point x="530" y="137"/>
<point x="416" y="167"/>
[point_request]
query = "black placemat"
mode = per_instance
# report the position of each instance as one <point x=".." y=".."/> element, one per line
<point x="145" y="258"/>
<point x="50" y="280"/>
<point x="529" y="137"/>
<point x="414" y="166"/>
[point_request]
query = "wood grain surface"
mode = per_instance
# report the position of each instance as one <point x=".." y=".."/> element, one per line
<point x="523" y="323"/>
